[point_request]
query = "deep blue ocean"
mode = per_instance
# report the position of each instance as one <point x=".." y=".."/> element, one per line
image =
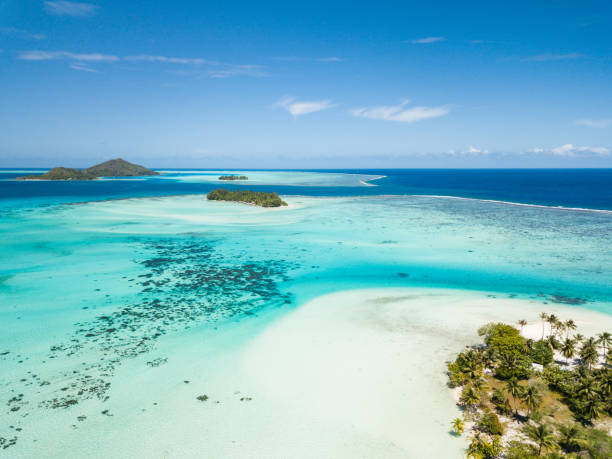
<point x="581" y="188"/>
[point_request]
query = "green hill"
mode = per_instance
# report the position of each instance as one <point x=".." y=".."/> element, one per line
<point x="119" y="168"/>
<point x="113" y="168"/>
<point x="61" y="173"/>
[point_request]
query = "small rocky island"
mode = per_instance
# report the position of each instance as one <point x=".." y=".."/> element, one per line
<point x="259" y="198"/>
<point x="113" y="168"/>
<point x="233" y="177"/>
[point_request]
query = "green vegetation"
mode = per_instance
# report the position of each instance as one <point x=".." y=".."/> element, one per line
<point x="61" y="173"/>
<point x="112" y="168"/>
<point x="119" y="168"/>
<point x="523" y="403"/>
<point x="258" y="198"/>
<point x="233" y="177"/>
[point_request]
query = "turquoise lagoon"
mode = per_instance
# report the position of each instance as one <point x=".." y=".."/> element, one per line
<point x="117" y="313"/>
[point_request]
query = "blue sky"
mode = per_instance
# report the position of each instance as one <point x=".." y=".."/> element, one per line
<point x="306" y="85"/>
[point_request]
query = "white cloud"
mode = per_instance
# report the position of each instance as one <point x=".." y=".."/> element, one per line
<point x="425" y="40"/>
<point x="20" y="33"/>
<point x="594" y="123"/>
<point x="301" y="59"/>
<point x="297" y="108"/>
<point x="82" y="68"/>
<point x="400" y="113"/>
<point x="216" y="69"/>
<point x="471" y="151"/>
<point x="169" y="60"/>
<point x="477" y="151"/>
<point x="49" y="55"/>
<point x="65" y="8"/>
<point x="230" y="70"/>
<point x="552" y="57"/>
<point x="571" y="150"/>
<point x="329" y="59"/>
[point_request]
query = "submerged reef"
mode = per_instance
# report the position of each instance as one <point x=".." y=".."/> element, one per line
<point x="184" y="282"/>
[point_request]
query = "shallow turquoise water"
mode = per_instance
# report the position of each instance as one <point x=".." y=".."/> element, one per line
<point x="86" y="289"/>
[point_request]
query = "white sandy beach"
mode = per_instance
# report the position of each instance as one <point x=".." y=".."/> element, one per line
<point x="358" y="373"/>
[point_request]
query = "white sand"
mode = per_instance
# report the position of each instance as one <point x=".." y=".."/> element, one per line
<point x="354" y="374"/>
<point x="374" y="360"/>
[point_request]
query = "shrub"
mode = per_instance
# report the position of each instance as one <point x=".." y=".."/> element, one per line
<point x="518" y="450"/>
<point x="541" y="353"/>
<point x="503" y="338"/>
<point x="490" y="424"/>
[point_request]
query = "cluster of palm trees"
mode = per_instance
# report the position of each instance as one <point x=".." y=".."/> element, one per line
<point x="530" y="395"/>
<point x="559" y="338"/>
<point x="586" y="388"/>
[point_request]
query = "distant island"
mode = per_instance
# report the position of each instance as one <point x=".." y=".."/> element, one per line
<point x="233" y="177"/>
<point x="526" y="395"/>
<point x="113" y="168"/>
<point x="259" y="198"/>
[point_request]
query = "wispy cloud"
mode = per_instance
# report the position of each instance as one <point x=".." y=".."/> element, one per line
<point x="546" y="57"/>
<point x="426" y="40"/>
<point x="571" y="150"/>
<point x="299" y="108"/>
<point x="215" y="69"/>
<point x="471" y="151"/>
<point x="170" y="60"/>
<point x="65" y="8"/>
<point x="400" y="113"/>
<point x="20" y="33"/>
<point x="313" y="59"/>
<point x="329" y="59"/>
<point x="51" y="55"/>
<point x="594" y="123"/>
<point x="82" y="67"/>
<point x="230" y="70"/>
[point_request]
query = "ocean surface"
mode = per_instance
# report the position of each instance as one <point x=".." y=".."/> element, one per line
<point x="105" y="280"/>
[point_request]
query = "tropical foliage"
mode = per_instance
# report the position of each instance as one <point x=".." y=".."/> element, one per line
<point x="556" y="404"/>
<point x="258" y="198"/>
<point x="233" y="177"/>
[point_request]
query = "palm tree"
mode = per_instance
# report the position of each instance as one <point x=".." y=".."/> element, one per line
<point x="469" y="397"/>
<point x="605" y="383"/>
<point x="475" y="449"/>
<point x="515" y="390"/>
<point x="605" y="339"/>
<point x="561" y="328"/>
<point x="522" y="323"/>
<point x="568" y="348"/>
<point x="588" y="353"/>
<point x="579" y="338"/>
<point x="479" y="384"/>
<point x="553" y="342"/>
<point x="593" y="408"/>
<point x="553" y="320"/>
<point x="532" y="398"/>
<point x="569" y="326"/>
<point x="571" y="437"/>
<point x="588" y="388"/>
<point x="458" y="426"/>
<point x="544" y="318"/>
<point x="542" y="435"/>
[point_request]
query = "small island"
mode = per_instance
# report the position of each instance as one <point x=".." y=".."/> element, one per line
<point x="233" y="177"/>
<point x="113" y="168"/>
<point x="258" y="198"/>
<point x="526" y="395"/>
